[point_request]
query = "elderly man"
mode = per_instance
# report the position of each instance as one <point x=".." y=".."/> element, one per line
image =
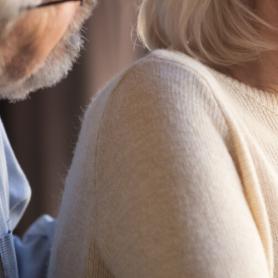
<point x="39" y="41"/>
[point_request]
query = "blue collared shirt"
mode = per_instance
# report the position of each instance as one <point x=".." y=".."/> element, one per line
<point x="27" y="257"/>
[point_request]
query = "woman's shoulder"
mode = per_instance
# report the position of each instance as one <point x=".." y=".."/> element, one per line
<point x="162" y="79"/>
<point x="170" y="66"/>
<point x="163" y="84"/>
<point x="179" y="61"/>
<point x="162" y="73"/>
<point x="174" y="66"/>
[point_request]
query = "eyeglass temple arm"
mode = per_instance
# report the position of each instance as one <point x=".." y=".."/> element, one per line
<point x="57" y="2"/>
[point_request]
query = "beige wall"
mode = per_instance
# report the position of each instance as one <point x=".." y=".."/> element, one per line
<point x="112" y="40"/>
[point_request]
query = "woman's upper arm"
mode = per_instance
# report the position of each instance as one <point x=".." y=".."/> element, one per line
<point x="169" y="199"/>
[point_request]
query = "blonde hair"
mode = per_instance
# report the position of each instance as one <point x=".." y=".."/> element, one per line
<point x="216" y="32"/>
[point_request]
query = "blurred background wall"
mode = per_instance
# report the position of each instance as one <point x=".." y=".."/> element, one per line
<point x="43" y="129"/>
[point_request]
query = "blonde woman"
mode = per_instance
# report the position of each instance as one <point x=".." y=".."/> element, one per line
<point x="176" y="170"/>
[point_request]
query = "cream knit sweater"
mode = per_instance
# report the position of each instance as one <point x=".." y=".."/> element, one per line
<point x="175" y="175"/>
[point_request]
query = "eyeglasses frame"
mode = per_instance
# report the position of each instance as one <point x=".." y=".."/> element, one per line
<point x="51" y="3"/>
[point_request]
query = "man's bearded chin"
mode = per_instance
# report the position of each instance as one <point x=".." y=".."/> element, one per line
<point x="56" y="66"/>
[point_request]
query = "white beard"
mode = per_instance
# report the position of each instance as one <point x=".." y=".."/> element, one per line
<point x="57" y="64"/>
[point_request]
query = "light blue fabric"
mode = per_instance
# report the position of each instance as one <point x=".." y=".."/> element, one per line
<point x="27" y="257"/>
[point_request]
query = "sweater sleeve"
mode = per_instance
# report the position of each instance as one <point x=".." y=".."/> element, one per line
<point x="170" y="202"/>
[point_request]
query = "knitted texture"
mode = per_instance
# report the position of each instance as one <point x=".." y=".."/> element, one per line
<point x="175" y="175"/>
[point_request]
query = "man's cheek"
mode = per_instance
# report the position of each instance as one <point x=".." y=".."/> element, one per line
<point x="22" y="64"/>
<point x="33" y="38"/>
<point x="20" y="55"/>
